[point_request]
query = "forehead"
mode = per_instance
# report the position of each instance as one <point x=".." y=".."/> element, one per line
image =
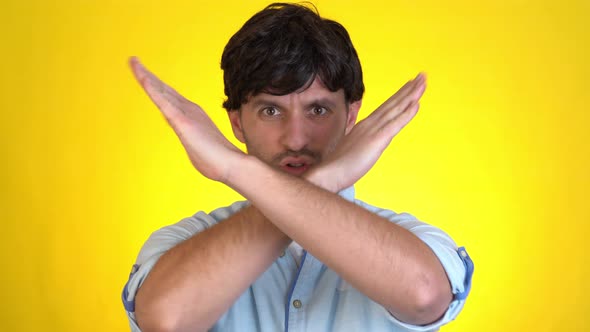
<point x="315" y="93"/>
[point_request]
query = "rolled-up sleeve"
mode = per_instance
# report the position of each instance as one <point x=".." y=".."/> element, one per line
<point x="455" y="261"/>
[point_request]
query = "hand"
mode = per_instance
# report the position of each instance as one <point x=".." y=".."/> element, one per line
<point x="209" y="151"/>
<point x="358" y="151"/>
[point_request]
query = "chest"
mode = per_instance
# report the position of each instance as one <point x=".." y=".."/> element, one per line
<point x="307" y="298"/>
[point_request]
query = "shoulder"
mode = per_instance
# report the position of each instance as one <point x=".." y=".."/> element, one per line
<point x="405" y="219"/>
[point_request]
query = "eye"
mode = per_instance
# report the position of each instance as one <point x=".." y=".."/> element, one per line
<point x="270" y="111"/>
<point x="319" y="111"/>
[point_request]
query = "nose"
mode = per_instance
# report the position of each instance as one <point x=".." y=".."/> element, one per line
<point x="295" y="135"/>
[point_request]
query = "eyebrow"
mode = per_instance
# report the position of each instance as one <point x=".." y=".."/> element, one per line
<point x="327" y="102"/>
<point x="264" y="102"/>
<point x="322" y="102"/>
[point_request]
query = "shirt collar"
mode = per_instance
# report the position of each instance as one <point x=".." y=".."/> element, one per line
<point x="347" y="194"/>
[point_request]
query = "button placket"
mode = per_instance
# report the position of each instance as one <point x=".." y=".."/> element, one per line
<point x="300" y="293"/>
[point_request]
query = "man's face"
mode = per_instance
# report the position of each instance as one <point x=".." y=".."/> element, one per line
<point x="294" y="132"/>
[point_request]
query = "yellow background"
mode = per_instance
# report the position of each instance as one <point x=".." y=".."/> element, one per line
<point x="498" y="155"/>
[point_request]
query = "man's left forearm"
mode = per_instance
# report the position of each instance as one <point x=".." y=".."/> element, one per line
<point x="384" y="261"/>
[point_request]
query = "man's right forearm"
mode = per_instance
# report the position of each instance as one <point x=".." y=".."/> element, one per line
<point x="194" y="283"/>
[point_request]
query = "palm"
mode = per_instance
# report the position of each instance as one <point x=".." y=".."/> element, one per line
<point x="358" y="151"/>
<point x="202" y="140"/>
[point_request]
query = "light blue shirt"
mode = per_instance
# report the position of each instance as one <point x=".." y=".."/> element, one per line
<point x="310" y="297"/>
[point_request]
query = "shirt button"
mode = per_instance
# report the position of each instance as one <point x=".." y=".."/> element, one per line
<point x="282" y="254"/>
<point x="297" y="304"/>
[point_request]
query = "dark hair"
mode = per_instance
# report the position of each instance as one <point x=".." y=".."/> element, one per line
<point x="284" y="47"/>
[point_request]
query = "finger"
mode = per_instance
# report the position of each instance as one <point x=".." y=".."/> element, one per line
<point x="170" y="102"/>
<point x="411" y="94"/>
<point x="146" y="77"/>
<point x="402" y="105"/>
<point x="415" y="94"/>
<point x="137" y="68"/>
<point x="393" y="102"/>
<point x="404" y="89"/>
<point x="408" y="87"/>
<point x="394" y="126"/>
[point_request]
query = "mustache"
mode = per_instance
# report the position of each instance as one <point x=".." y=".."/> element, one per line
<point x="303" y="152"/>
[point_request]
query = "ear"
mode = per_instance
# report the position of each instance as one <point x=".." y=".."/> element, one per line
<point x="353" y="112"/>
<point x="236" y="125"/>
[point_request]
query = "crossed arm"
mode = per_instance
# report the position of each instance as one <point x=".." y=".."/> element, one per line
<point x="194" y="283"/>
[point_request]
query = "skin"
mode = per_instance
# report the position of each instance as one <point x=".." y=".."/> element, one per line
<point x="294" y="132"/>
<point x="303" y="148"/>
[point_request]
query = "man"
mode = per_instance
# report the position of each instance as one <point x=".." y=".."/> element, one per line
<point x="302" y="254"/>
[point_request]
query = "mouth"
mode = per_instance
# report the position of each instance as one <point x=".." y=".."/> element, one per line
<point x="295" y="169"/>
<point x="295" y="165"/>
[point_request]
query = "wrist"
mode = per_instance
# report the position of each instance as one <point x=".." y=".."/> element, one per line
<point x="319" y="176"/>
<point x="249" y="168"/>
<point x="247" y="171"/>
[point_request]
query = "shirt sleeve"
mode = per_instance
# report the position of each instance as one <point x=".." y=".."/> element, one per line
<point x="161" y="241"/>
<point x="456" y="262"/>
